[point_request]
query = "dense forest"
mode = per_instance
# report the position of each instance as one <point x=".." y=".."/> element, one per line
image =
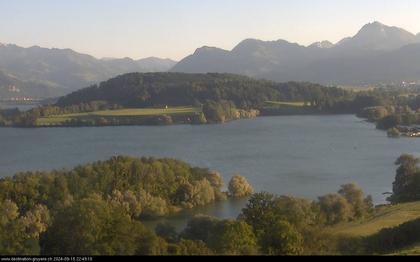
<point x="177" y="89"/>
<point x="98" y="208"/>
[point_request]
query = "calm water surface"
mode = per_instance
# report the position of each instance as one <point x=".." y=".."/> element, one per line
<point x="300" y="155"/>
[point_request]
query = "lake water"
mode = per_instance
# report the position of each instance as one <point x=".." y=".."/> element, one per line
<point x="21" y="107"/>
<point x="299" y="155"/>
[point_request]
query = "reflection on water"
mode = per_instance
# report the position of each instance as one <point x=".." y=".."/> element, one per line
<point x="228" y="209"/>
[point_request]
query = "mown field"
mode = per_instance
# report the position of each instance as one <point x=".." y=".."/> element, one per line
<point x="357" y="88"/>
<point x="127" y="112"/>
<point x="277" y="103"/>
<point x="411" y="251"/>
<point x="384" y="217"/>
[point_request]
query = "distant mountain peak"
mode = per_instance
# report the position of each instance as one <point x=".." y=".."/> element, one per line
<point x="378" y="36"/>
<point x="208" y="49"/>
<point x="322" y="44"/>
<point x="260" y="47"/>
<point x="376" y="27"/>
<point x="157" y="59"/>
<point x="377" y="24"/>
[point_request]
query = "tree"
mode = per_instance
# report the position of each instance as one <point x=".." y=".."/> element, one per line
<point x="216" y="181"/>
<point x="281" y="238"/>
<point x="389" y="122"/>
<point x="200" y="228"/>
<point x="239" y="187"/>
<point x="220" y="111"/>
<point x="355" y="196"/>
<point x="406" y="186"/>
<point x="197" y="193"/>
<point x="234" y="238"/>
<point x="393" y="132"/>
<point x="93" y="226"/>
<point x="192" y="248"/>
<point x="259" y="212"/>
<point x="128" y="201"/>
<point x="299" y="212"/>
<point x="167" y="232"/>
<point x="335" y="208"/>
<point x="19" y="234"/>
<point x="229" y="237"/>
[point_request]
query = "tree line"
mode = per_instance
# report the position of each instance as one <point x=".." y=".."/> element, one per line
<point x="122" y="188"/>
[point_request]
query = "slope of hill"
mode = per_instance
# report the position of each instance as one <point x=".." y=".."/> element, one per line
<point x="68" y="70"/>
<point x="376" y="54"/>
<point x="384" y="232"/>
<point x="12" y="88"/>
<point x="384" y="217"/>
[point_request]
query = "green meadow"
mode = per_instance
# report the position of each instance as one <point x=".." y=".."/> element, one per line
<point x="276" y="103"/>
<point x="127" y="112"/>
<point x="384" y="217"/>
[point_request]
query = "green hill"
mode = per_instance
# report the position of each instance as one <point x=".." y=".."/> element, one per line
<point x="177" y="89"/>
<point x="384" y="217"/>
<point x="390" y="230"/>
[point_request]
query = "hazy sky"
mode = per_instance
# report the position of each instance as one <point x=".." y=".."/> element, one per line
<point x="175" y="28"/>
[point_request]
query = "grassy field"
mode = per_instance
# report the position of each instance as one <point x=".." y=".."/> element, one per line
<point x="411" y="251"/>
<point x="276" y="103"/>
<point x="386" y="216"/>
<point x="357" y="88"/>
<point x="128" y="112"/>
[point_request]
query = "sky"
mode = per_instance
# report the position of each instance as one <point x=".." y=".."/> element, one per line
<point x="175" y="28"/>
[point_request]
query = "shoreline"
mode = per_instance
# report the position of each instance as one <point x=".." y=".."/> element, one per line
<point x="174" y="123"/>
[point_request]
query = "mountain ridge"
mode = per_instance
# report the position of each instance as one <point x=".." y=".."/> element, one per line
<point x="68" y="70"/>
<point x="375" y="48"/>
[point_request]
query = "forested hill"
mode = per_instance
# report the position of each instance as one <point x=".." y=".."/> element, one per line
<point x="179" y="98"/>
<point x="179" y="89"/>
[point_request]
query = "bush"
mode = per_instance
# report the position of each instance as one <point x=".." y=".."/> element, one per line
<point x="393" y="132"/>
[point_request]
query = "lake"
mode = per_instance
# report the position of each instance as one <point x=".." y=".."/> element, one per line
<point x="20" y="106"/>
<point x="305" y="156"/>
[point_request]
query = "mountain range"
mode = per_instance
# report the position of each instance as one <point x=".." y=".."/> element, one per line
<point x="14" y="88"/>
<point x="376" y="54"/>
<point x="42" y="72"/>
